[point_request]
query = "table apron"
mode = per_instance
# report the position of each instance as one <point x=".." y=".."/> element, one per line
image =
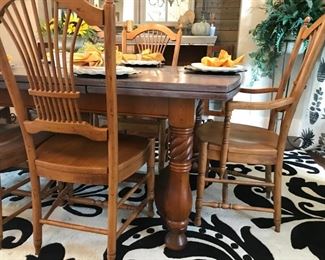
<point x="92" y="102"/>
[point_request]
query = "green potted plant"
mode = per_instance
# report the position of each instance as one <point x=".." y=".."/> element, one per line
<point x="283" y="21"/>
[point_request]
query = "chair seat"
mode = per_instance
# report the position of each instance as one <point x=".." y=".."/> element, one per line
<point x="90" y="165"/>
<point x="243" y="140"/>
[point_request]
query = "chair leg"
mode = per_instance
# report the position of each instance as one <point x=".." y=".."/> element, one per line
<point x="151" y="177"/>
<point x="224" y="175"/>
<point x="224" y="186"/>
<point x="203" y="161"/>
<point x="277" y="196"/>
<point x="162" y="143"/>
<point x="268" y="178"/>
<point x="112" y="220"/>
<point x="224" y="155"/>
<point x="37" y="212"/>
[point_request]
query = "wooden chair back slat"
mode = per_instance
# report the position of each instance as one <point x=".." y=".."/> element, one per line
<point x="154" y="37"/>
<point x="47" y="56"/>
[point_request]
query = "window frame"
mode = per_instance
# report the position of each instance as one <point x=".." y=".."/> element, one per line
<point x="142" y="13"/>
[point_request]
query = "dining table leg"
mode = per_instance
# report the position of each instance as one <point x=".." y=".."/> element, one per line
<point x="173" y="194"/>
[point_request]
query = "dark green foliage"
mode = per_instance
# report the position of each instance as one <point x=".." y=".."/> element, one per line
<point x="307" y="136"/>
<point x="283" y="21"/>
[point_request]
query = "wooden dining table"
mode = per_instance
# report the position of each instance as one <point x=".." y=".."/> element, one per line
<point x="164" y="92"/>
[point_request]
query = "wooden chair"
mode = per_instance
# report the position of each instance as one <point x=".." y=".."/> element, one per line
<point x="78" y="152"/>
<point x="229" y="142"/>
<point x="154" y="37"/>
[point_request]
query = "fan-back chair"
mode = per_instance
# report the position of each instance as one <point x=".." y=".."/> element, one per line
<point x="154" y="37"/>
<point x="78" y="152"/>
<point x="239" y="143"/>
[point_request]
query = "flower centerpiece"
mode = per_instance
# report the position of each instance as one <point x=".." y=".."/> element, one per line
<point x="86" y="33"/>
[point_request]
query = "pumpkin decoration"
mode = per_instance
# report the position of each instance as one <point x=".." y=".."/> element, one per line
<point x="201" y="28"/>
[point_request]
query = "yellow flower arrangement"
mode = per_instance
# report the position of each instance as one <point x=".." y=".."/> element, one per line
<point x="84" y="27"/>
<point x="85" y="31"/>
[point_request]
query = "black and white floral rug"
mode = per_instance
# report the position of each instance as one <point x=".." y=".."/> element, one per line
<point x="224" y="234"/>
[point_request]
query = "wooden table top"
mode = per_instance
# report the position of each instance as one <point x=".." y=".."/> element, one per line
<point x="159" y="82"/>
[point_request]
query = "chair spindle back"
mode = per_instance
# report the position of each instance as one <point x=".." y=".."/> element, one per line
<point x="154" y="37"/>
<point x="40" y="31"/>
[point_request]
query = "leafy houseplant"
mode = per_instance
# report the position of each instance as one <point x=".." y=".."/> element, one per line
<point x="284" y="19"/>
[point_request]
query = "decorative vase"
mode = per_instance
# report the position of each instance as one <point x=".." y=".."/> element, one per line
<point x="79" y="42"/>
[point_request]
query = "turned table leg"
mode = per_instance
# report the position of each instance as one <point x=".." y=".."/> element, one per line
<point x="173" y="193"/>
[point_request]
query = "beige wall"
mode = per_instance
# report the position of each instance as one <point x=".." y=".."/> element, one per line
<point x="10" y="47"/>
<point x="250" y="15"/>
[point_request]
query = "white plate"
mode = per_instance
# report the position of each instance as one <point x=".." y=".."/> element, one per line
<point x="91" y="70"/>
<point x="202" y="67"/>
<point x="141" y="62"/>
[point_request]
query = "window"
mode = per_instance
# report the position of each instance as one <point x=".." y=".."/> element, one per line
<point x="165" y="11"/>
<point x="141" y="11"/>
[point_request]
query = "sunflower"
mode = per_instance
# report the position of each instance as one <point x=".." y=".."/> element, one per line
<point x="84" y="31"/>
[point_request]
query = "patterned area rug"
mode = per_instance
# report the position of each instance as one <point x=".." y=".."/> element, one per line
<point x="225" y="234"/>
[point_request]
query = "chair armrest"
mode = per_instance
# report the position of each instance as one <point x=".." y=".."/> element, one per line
<point x="258" y="90"/>
<point x="279" y="104"/>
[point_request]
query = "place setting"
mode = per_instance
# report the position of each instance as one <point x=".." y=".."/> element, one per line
<point x="145" y="58"/>
<point x="89" y="62"/>
<point x="223" y="64"/>
<point x="100" y="71"/>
